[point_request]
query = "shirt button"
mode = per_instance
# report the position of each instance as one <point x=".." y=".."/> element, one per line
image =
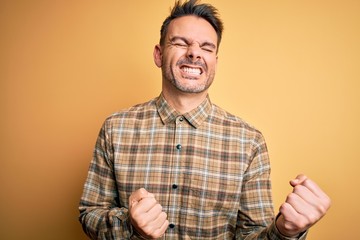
<point x="174" y="186"/>
<point x="181" y="119"/>
<point x="171" y="225"/>
<point x="178" y="147"/>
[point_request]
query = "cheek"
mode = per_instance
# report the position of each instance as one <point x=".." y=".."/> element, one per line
<point x="212" y="64"/>
<point x="167" y="59"/>
<point x="172" y="56"/>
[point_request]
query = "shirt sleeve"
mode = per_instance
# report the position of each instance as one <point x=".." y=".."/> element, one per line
<point x="100" y="214"/>
<point x="256" y="215"/>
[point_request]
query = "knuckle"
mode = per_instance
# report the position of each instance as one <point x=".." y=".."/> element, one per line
<point x="312" y="218"/>
<point x="291" y="197"/>
<point x="327" y="202"/>
<point x="302" y="224"/>
<point x="163" y="215"/>
<point x="298" y="188"/>
<point x="158" y="207"/>
<point x="152" y="200"/>
<point x="322" y="209"/>
<point x="141" y="223"/>
<point x="134" y="213"/>
<point x="283" y="207"/>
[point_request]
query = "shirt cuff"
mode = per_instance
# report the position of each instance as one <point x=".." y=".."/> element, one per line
<point x="123" y="216"/>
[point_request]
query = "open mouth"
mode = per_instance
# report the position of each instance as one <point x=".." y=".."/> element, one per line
<point x="192" y="70"/>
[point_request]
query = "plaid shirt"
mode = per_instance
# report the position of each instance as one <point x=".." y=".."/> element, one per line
<point x="207" y="168"/>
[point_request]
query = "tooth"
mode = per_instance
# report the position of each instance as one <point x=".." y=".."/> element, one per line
<point x="192" y="70"/>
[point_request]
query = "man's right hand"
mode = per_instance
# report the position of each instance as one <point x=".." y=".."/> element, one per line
<point x="146" y="214"/>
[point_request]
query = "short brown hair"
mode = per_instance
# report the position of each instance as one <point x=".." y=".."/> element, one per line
<point x="193" y="7"/>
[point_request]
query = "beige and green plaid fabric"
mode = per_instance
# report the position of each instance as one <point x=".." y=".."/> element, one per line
<point x="207" y="168"/>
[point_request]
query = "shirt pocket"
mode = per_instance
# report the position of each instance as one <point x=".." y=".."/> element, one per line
<point x="214" y="195"/>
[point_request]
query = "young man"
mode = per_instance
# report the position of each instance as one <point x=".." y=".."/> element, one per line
<point x="180" y="167"/>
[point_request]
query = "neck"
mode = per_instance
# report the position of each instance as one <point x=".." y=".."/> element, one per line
<point x="184" y="102"/>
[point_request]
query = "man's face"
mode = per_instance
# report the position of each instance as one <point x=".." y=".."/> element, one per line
<point x="188" y="58"/>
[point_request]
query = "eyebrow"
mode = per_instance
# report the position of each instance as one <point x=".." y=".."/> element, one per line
<point x="201" y="44"/>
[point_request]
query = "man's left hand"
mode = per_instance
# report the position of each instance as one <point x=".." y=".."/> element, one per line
<point x="306" y="205"/>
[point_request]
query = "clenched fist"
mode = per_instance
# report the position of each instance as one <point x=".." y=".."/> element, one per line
<point x="306" y="205"/>
<point x="146" y="214"/>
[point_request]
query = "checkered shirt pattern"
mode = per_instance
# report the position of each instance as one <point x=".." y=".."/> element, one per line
<point x="208" y="169"/>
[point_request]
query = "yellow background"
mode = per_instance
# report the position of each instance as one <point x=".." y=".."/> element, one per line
<point x="291" y="68"/>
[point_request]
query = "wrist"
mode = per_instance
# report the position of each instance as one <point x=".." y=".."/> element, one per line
<point x="280" y="225"/>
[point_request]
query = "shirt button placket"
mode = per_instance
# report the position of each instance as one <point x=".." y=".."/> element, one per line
<point x="178" y="147"/>
<point x="179" y="121"/>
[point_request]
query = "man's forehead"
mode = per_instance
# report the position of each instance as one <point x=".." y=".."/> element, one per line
<point x="192" y="28"/>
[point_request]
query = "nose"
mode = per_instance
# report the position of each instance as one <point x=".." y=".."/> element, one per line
<point x="194" y="52"/>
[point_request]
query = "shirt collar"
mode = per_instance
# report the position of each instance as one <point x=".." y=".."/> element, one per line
<point x="195" y="117"/>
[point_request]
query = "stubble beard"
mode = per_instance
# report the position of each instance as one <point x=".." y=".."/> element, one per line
<point x="168" y="75"/>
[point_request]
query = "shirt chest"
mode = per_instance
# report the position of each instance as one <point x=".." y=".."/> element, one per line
<point x="205" y="162"/>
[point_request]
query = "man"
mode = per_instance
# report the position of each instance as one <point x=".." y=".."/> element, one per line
<point x="180" y="167"/>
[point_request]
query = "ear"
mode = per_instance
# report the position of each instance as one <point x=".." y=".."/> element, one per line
<point x="158" y="55"/>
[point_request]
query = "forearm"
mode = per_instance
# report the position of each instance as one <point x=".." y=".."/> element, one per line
<point x="100" y="213"/>
<point x="256" y="216"/>
<point x="100" y="223"/>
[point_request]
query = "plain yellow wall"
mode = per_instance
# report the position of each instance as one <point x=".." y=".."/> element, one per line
<point x="291" y="68"/>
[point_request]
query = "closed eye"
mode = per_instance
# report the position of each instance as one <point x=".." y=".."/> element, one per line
<point x="179" y="42"/>
<point x="209" y="47"/>
<point x="184" y="43"/>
